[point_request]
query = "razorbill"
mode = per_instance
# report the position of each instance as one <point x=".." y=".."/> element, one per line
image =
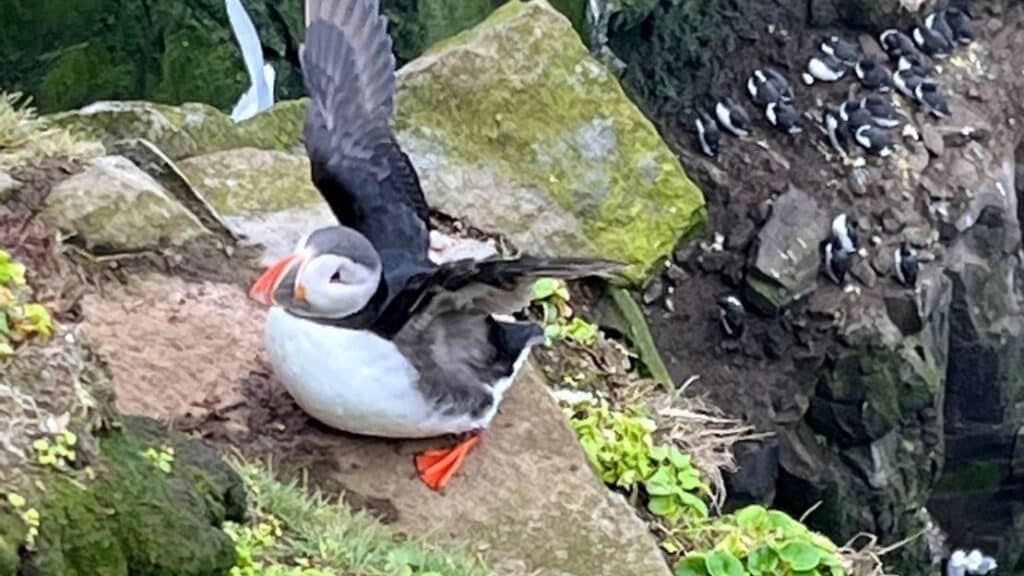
<point x="875" y="140"/>
<point x="824" y="68"/>
<point x="914" y="63"/>
<point x="936" y="22"/>
<point x="837" y="262"/>
<point x="907" y="81"/>
<point x="848" y="107"/>
<point x="708" y="134"/>
<point x="838" y="135"/>
<point x="732" y="315"/>
<point x="905" y="259"/>
<point x="873" y="75"/>
<point x="978" y="564"/>
<point x="260" y="95"/>
<point x="896" y="43"/>
<point x="780" y="82"/>
<point x="929" y="94"/>
<point x="845" y="51"/>
<point x="762" y="91"/>
<point x="931" y="42"/>
<point x="784" y="116"/>
<point x="844" y="231"/>
<point x="959" y="22"/>
<point x="858" y="117"/>
<point x="882" y="112"/>
<point x="732" y="117"/>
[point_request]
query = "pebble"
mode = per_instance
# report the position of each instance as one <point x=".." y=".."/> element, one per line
<point x="654" y="289"/>
<point x="864" y="274"/>
<point x="676" y="275"/>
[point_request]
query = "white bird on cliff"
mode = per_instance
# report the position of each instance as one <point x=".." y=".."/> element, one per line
<point x="260" y="95"/>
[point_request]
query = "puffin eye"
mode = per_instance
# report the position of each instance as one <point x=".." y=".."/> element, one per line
<point x="336" y="277"/>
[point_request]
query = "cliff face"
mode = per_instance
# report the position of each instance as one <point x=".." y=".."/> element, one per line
<point x="885" y="399"/>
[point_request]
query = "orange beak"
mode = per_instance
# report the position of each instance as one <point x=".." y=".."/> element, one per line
<point x="263" y="290"/>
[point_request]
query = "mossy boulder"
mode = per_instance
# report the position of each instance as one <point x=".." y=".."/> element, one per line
<point x="515" y="128"/>
<point x="249" y="180"/>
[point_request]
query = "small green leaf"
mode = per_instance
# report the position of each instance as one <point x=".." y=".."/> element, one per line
<point x="15" y="500"/>
<point x="544" y="288"/>
<point x="695" y="503"/>
<point x="664" y="506"/>
<point x="722" y="563"/>
<point x="661" y="483"/>
<point x="691" y="565"/>
<point x="678" y="459"/>
<point x="751" y="516"/>
<point x="801" y="556"/>
<point x="762" y="560"/>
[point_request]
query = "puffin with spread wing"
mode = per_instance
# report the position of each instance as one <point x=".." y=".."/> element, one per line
<point x="368" y="335"/>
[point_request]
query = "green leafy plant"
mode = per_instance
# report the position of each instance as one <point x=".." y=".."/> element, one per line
<point x="552" y="298"/>
<point x="163" y="458"/>
<point x="60" y="452"/>
<point x="19" y="321"/>
<point x="762" y="542"/>
<point x="621" y="449"/>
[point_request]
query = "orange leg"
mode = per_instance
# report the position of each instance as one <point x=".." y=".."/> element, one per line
<point x="436" y="467"/>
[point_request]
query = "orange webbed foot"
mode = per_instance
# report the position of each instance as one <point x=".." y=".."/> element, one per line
<point x="436" y="467"/>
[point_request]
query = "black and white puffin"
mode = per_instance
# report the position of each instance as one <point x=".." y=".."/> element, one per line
<point x="896" y="43"/>
<point x="873" y="75"/>
<point x="936" y="22"/>
<point x="959" y="22"/>
<point x="838" y="135"/>
<point x="844" y="231"/>
<point x="905" y="259"/>
<point x="784" y="116"/>
<point x="732" y="117"/>
<point x="907" y="81"/>
<point x="837" y="261"/>
<point x="931" y="42"/>
<point x="708" y="134"/>
<point x="843" y="50"/>
<point x="780" y="82"/>
<point x="824" y="68"/>
<point x="929" y="94"/>
<point x="366" y="333"/>
<point x="882" y="112"/>
<point x="732" y="315"/>
<point x="875" y="140"/>
<point x="762" y="91"/>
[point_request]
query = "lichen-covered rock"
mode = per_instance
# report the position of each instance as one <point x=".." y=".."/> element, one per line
<point x="248" y="180"/>
<point x="113" y="205"/>
<point x="515" y="128"/>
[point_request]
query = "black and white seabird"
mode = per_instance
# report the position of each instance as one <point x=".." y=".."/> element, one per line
<point x="824" y="68"/>
<point x="907" y="81"/>
<point x="844" y="231"/>
<point x="882" y="112"/>
<point x="979" y="564"/>
<point x="931" y="42"/>
<point x="896" y="43"/>
<point x="858" y="117"/>
<point x="732" y="117"/>
<point x="364" y="331"/>
<point x="708" y="134"/>
<point x="838" y="134"/>
<point x="929" y="94"/>
<point x="873" y="75"/>
<point x="837" y="262"/>
<point x="905" y="259"/>
<point x="875" y="140"/>
<point x="785" y="117"/>
<point x="762" y="91"/>
<point x="780" y="82"/>
<point x="260" y="94"/>
<point x="847" y="107"/>
<point x="936" y="22"/>
<point x="959" y="22"/>
<point x="914" y="63"/>
<point x="732" y="315"/>
<point x="843" y="50"/>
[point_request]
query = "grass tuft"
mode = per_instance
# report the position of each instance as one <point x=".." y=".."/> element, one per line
<point x="25" y="138"/>
<point x="294" y="532"/>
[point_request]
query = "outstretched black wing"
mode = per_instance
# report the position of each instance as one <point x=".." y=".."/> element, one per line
<point x="357" y="165"/>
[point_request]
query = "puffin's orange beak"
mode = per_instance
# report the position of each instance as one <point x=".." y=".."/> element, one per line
<point x="263" y="290"/>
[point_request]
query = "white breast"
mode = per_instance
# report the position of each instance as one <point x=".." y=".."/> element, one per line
<point x="358" y="382"/>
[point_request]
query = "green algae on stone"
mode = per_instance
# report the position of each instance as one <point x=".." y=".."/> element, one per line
<point x="249" y="181"/>
<point x="515" y="128"/>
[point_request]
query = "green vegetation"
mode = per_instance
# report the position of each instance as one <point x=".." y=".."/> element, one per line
<point x="20" y="321"/>
<point x="60" y="452"/>
<point x="163" y="458"/>
<point x="551" y="300"/>
<point x="25" y="138"/>
<point x="761" y="542"/>
<point x="292" y="532"/>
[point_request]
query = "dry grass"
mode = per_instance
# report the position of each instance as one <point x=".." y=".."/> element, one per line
<point x="25" y="138"/>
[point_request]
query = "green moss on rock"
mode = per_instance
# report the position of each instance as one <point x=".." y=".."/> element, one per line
<point x="12" y="535"/>
<point x="517" y="129"/>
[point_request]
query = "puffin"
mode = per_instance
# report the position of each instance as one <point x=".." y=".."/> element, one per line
<point x="732" y="315"/>
<point x="874" y="140"/>
<point x="838" y="135"/>
<point x="905" y="260"/>
<point x="367" y="334"/>
<point x="732" y="117"/>
<point x="762" y="91"/>
<point x="897" y="44"/>
<point x="959" y="22"/>
<point x="708" y="134"/>
<point x="873" y="76"/>
<point x="784" y="116"/>
<point x="843" y="50"/>
<point x="825" y="68"/>
<point x="260" y="95"/>
<point x="837" y="261"/>
<point x="882" y="112"/>
<point x="929" y="94"/>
